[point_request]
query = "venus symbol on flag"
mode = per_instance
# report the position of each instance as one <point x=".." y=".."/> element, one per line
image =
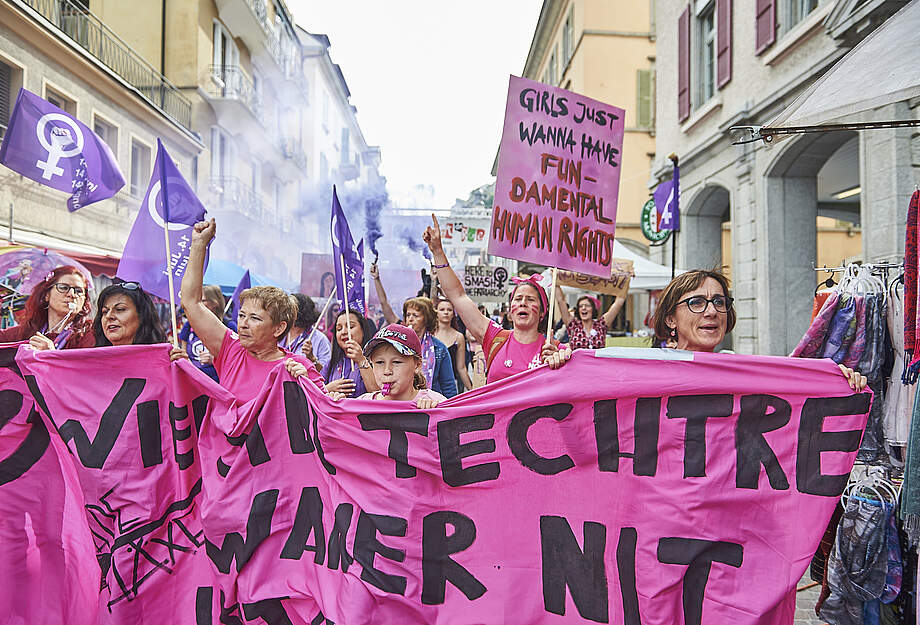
<point x="59" y="144"/>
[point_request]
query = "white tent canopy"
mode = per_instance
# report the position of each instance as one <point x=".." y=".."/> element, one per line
<point x="649" y="275"/>
<point x="882" y="69"/>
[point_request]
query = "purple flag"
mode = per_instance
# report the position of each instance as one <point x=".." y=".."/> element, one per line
<point x="52" y="148"/>
<point x="667" y="202"/>
<point x="245" y="283"/>
<point x="169" y="203"/>
<point x="343" y="247"/>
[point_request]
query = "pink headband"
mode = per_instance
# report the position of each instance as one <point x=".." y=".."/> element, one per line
<point x="534" y="281"/>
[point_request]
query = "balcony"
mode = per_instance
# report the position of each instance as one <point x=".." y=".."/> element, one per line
<point x="233" y="98"/>
<point x="249" y="20"/>
<point x="94" y="37"/>
<point x="293" y="152"/>
<point x="236" y="196"/>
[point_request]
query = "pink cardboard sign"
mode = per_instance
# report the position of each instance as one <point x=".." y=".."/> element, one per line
<point x="558" y="179"/>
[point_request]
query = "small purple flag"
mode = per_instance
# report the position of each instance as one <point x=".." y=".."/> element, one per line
<point x="667" y="202"/>
<point x="343" y="246"/>
<point x="52" y="148"/>
<point x="169" y="203"/>
<point x="245" y="283"/>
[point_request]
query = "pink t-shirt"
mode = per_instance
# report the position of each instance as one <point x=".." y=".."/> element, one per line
<point x="512" y="357"/>
<point x="243" y="374"/>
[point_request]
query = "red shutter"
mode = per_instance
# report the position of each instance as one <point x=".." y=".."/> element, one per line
<point x="683" y="65"/>
<point x="766" y="24"/>
<point x="723" y="42"/>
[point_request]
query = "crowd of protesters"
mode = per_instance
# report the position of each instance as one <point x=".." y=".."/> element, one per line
<point x="423" y="356"/>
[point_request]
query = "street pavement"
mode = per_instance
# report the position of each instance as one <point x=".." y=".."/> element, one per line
<point x="805" y="603"/>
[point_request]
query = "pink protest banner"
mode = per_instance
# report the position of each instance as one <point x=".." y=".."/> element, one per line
<point x="672" y="488"/>
<point x="558" y="179"/>
<point x="131" y="420"/>
<point x="46" y="551"/>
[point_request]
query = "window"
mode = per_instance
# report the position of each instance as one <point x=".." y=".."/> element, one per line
<point x="220" y="155"/>
<point x="568" y="37"/>
<point x="226" y="54"/>
<point x="797" y="10"/>
<point x="707" y="54"/>
<point x="277" y="196"/>
<point x="61" y="101"/>
<point x="553" y="67"/>
<point x="256" y="182"/>
<point x="107" y="132"/>
<point x="345" y="146"/>
<point x="140" y="168"/>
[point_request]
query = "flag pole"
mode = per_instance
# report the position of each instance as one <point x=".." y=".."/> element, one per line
<point x="325" y="308"/>
<point x="552" y="309"/>
<point x="172" y="296"/>
<point x="345" y="297"/>
<point x="673" y="157"/>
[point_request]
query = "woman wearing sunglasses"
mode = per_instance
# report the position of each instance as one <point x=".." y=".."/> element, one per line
<point x="127" y="316"/>
<point x="57" y="313"/>
<point x="695" y="312"/>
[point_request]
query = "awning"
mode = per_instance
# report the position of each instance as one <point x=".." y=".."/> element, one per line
<point x="882" y="69"/>
<point x="650" y="276"/>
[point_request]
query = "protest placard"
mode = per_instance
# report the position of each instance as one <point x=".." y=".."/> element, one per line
<point x="317" y="274"/>
<point x="485" y="283"/>
<point x="558" y="179"/>
<point x="617" y="284"/>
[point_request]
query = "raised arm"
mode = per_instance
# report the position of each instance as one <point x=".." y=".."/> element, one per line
<point x="615" y="308"/>
<point x="388" y="313"/>
<point x="562" y="306"/>
<point x="206" y="325"/>
<point x="475" y="321"/>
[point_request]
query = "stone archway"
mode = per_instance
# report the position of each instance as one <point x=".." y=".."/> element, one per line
<point x="789" y="220"/>
<point x="701" y="231"/>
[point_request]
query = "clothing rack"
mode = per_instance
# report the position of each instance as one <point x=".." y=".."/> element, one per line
<point x="881" y="268"/>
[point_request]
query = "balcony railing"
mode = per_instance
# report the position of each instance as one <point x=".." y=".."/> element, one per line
<point x="293" y="151"/>
<point x="236" y="195"/>
<point x="95" y="37"/>
<point x="230" y="83"/>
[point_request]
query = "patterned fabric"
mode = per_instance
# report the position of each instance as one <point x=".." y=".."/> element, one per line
<point x="838" y="329"/>
<point x="812" y="342"/>
<point x="910" y="281"/>
<point x="596" y="338"/>
<point x="857" y="344"/>
<point x="429" y="359"/>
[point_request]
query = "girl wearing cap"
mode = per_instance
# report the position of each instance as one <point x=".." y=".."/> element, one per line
<point x="395" y="355"/>
<point x="507" y="351"/>
<point x="586" y="329"/>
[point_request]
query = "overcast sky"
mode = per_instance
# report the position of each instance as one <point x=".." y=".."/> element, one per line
<point x="429" y="79"/>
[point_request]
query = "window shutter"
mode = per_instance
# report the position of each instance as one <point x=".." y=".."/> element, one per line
<point x="5" y="96"/>
<point x="723" y="42"/>
<point x="644" y="100"/>
<point x="683" y="65"/>
<point x="766" y="25"/>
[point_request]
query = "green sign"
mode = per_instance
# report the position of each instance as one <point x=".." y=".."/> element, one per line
<point x="649" y="223"/>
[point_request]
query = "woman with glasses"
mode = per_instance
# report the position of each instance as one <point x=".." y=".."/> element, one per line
<point x="245" y="358"/>
<point x="695" y="312"/>
<point x="587" y="328"/>
<point x="126" y="315"/>
<point x="57" y="313"/>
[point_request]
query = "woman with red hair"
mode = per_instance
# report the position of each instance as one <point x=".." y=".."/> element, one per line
<point x="57" y="313"/>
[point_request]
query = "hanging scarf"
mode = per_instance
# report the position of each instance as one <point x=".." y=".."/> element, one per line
<point x="911" y="354"/>
<point x="61" y="339"/>
<point x="910" y="488"/>
<point x="299" y="341"/>
<point x="812" y="342"/>
<point x="428" y="358"/>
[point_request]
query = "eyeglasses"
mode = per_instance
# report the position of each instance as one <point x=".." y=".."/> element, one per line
<point x="78" y="291"/>
<point x="698" y="304"/>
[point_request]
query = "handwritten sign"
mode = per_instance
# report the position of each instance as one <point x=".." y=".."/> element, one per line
<point x="558" y="179"/>
<point x="485" y="283"/>
<point x="617" y="284"/>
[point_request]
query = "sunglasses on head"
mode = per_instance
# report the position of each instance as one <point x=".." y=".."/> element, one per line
<point x="128" y="286"/>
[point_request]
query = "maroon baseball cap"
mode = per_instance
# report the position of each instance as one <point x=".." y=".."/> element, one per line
<point x="403" y="338"/>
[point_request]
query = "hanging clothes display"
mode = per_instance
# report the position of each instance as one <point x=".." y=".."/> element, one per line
<point x="899" y="396"/>
<point x="911" y="291"/>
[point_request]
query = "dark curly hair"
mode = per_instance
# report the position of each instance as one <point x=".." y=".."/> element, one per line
<point x="148" y="331"/>
<point x="306" y="311"/>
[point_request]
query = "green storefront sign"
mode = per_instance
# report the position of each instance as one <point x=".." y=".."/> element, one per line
<point x="649" y="223"/>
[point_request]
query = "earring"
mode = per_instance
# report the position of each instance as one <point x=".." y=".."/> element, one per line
<point x="673" y="333"/>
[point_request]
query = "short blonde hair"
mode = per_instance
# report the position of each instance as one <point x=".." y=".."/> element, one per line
<point x="275" y="301"/>
<point x="425" y="306"/>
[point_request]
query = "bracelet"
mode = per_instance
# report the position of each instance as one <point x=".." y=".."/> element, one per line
<point x="365" y="365"/>
<point x="447" y="264"/>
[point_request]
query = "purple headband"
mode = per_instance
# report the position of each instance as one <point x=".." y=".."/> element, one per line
<point x="535" y="281"/>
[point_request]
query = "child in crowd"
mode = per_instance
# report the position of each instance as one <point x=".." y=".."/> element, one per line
<point x="395" y="355"/>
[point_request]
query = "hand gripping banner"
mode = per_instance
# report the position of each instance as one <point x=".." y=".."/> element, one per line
<point x="595" y="493"/>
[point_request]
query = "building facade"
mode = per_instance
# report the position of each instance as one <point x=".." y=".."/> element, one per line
<point x="68" y="56"/>
<point x="605" y="50"/>
<point x="261" y="116"/>
<point x="774" y="212"/>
